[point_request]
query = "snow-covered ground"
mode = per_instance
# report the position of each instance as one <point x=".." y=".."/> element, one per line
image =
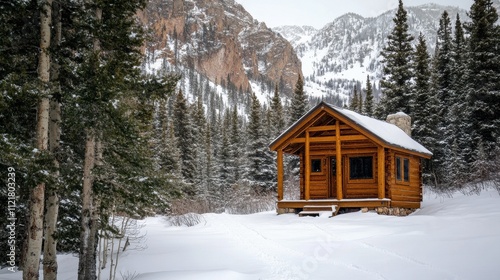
<point x="448" y="238"/>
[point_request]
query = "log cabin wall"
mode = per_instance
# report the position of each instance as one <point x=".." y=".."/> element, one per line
<point x="360" y="188"/>
<point x="404" y="192"/>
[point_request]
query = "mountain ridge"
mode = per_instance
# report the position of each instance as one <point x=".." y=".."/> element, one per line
<point x="346" y="50"/>
<point x="219" y="40"/>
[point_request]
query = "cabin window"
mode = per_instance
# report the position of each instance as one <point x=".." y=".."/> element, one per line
<point x="316" y="165"/>
<point x="361" y="167"/>
<point x="402" y="169"/>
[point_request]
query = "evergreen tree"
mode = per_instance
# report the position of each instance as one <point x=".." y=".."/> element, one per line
<point x="444" y="68"/>
<point x="424" y="105"/>
<point x="299" y="104"/>
<point x="199" y="126"/>
<point x="225" y="166"/>
<point x="456" y="133"/>
<point x="169" y="154"/>
<point x="235" y="145"/>
<point x="210" y="184"/>
<point x="269" y="168"/>
<point x="277" y="118"/>
<point x="397" y="57"/>
<point x="483" y="87"/>
<point x="354" y="104"/>
<point x="259" y="173"/>
<point x="368" y="103"/>
<point x="184" y="134"/>
<point x="440" y="87"/>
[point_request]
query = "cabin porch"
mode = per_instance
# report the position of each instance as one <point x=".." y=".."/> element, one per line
<point x="295" y="206"/>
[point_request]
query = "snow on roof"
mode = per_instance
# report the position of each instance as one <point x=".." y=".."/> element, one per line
<point x="388" y="133"/>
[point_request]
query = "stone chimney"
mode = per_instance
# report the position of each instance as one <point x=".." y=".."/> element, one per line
<point x="401" y="120"/>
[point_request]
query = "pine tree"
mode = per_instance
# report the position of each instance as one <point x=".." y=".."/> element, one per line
<point x="299" y="104"/>
<point x="424" y="105"/>
<point x="397" y="57"/>
<point x="210" y="184"/>
<point x="277" y="118"/>
<point x="368" y="103"/>
<point x="456" y="132"/>
<point x="354" y="104"/>
<point x="442" y="90"/>
<point x="199" y="126"/>
<point x="184" y="134"/>
<point x="483" y="65"/>
<point x="444" y="68"/>
<point x="259" y="173"/>
<point x="269" y="167"/>
<point x="225" y="166"/>
<point x="235" y="145"/>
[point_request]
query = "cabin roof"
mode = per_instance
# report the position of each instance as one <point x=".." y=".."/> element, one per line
<point x="389" y="134"/>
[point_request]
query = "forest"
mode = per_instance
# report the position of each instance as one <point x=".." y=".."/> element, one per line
<point x="87" y="136"/>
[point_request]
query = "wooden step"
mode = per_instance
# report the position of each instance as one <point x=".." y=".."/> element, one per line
<point x="319" y="207"/>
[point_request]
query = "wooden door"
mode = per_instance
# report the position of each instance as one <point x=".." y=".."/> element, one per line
<point x="333" y="178"/>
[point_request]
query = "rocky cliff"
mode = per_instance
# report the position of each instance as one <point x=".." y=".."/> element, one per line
<point x="220" y="40"/>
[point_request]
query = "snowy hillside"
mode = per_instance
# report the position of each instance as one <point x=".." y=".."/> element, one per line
<point x="449" y="238"/>
<point x="348" y="49"/>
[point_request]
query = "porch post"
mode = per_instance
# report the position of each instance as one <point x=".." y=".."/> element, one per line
<point x="338" y="160"/>
<point x="381" y="172"/>
<point x="280" y="174"/>
<point x="307" y="163"/>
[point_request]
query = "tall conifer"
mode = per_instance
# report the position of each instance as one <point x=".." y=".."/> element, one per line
<point x="424" y="104"/>
<point x="277" y="117"/>
<point x="299" y="105"/>
<point x="397" y="56"/>
<point x="354" y="102"/>
<point x="184" y="133"/>
<point x="368" y="103"/>
<point x="483" y="88"/>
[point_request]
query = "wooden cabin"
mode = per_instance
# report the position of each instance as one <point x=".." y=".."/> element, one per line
<point x="350" y="160"/>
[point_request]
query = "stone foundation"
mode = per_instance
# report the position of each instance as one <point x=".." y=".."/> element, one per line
<point x="394" y="211"/>
<point x="280" y="211"/>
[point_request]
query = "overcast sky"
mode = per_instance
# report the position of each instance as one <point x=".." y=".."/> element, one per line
<point x="318" y="13"/>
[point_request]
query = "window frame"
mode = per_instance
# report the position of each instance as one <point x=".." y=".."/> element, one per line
<point x="363" y="180"/>
<point x="321" y="165"/>
<point x="402" y="171"/>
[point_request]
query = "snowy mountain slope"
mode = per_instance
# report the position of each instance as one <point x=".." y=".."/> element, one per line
<point x="448" y="238"/>
<point x="219" y="40"/>
<point x="348" y="49"/>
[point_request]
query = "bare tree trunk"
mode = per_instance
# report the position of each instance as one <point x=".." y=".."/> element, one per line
<point x="91" y="256"/>
<point x="52" y="203"/>
<point x="37" y="195"/>
<point x="88" y="237"/>
<point x="87" y="197"/>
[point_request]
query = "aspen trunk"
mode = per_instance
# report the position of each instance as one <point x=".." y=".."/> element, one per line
<point x="88" y="237"/>
<point x="37" y="195"/>
<point x="52" y="202"/>
<point x="87" y="197"/>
